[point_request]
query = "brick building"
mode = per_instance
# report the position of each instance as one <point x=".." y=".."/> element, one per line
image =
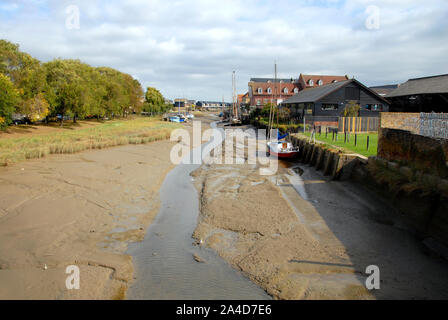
<point x="263" y="90"/>
<point x="307" y="81"/>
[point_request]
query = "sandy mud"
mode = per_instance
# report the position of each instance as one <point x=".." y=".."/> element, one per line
<point x="300" y="236"/>
<point x="79" y="210"/>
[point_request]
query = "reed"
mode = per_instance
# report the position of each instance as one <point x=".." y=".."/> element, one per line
<point x="106" y="135"/>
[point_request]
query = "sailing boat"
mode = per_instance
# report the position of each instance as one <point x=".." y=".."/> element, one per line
<point x="280" y="147"/>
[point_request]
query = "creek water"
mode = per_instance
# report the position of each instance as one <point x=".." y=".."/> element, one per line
<point x="164" y="263"/>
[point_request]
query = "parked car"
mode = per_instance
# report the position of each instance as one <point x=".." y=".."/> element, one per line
<point x="20" y="119"/>
<point x="66" y="118"/>
<point x="190" y="116"/>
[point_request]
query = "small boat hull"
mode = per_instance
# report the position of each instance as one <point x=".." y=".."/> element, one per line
<point x="282" y="154"/>
<point x="176" y="119"/>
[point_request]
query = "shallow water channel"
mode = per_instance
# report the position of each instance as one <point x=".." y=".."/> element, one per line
<point x="164" y="263"/>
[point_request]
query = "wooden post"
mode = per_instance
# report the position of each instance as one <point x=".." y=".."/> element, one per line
<point x="356" y="139"/>
<point x="368" y="138"/>
<point x="345" y="137"/>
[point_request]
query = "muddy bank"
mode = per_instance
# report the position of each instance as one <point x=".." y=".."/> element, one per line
<point x="307" y="237"/>
<point x="79" y="210"/>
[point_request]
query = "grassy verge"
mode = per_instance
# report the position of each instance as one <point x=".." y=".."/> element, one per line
<point x="109" y="134"/>
<point x="361" y="145"/>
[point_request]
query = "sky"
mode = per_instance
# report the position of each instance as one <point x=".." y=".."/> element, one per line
<point x="190" y="48"/>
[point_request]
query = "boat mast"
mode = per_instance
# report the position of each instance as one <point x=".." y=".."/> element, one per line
<point x="273" y="102"/>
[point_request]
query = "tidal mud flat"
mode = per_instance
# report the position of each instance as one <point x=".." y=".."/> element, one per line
<point x="81" y="210"/>
<point x="299" y="235"/>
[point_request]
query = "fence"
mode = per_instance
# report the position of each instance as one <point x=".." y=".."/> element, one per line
<point x="434" y="125"/>
<point x="345" y="124"/>
<point x="358" y="124"/>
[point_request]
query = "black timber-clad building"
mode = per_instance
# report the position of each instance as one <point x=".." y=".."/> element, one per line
<point x="330" y="100"/>
<point x="428" y="94"/>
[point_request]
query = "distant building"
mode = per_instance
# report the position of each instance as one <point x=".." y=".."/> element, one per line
<point x="330" y="100"/>
<point x="183" y="104"/>
<point x="427" y="94"/>
<point x="384" y="90"/>
<point x="244" y="99"/>
<point x="212" y="105"/>
<point x="263" y="90"/>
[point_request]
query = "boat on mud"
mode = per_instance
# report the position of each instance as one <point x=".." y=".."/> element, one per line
<point x="282" y="149"/>
<point x="178" y="119"/>
<point x="279" y="148"/>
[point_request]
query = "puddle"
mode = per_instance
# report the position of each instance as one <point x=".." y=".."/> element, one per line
<point x="164" y="262"/>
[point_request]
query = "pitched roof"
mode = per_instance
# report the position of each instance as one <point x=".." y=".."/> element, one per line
<point x="325" y="78"/>
<point x="384" y="90"/>
<point x="314" y="94"/>
<point x="317" y="93"/>
<point x="271" y="80"/>
<point x="426" y="85"/>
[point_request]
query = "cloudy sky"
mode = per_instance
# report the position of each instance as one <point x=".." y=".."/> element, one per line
<point x="189" y="48"/>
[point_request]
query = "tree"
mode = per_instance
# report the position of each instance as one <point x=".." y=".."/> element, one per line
<point x="28" y="77"/>
<point x="36" y="108"/>
<point x="154" y="101"/>
<point x="351" y="109"/>
<point x="8" y="99"/>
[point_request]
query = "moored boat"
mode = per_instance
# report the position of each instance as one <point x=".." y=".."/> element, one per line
<point x="282" y="149"/>
<point x="176" y="119"/>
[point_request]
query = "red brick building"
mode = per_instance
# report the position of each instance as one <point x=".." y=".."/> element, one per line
<point x="307" y="81"/>
<point x="263" y="90"/>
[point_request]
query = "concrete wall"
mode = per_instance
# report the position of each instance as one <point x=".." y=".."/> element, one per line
<point x="400" y="120"/>
<point x="426" y="154"/>
<point x="332" y="163"/>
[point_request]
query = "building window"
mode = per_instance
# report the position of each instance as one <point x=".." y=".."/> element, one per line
<point x="374" y="107"/>
<point x="269" y="90"/>
<point x="285" y="91"/>
<point x="269" y="81"/>
<point x="334" y="81"/>
<point x="296" y="90"/>
<point x="320" y="82"/>
<point x="260" y="91"/>
<point x="281" y="81"/>
<point x="311" y="82"/>
<point x="329" y="106"/>
<point x="352" y="93"/>
<point x="258" y="102"/>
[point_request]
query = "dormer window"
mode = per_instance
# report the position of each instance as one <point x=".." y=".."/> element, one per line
<point x="320" y="82"/>
<point x="281" y="81"/>
<point x="311" y="82"/>
<point x="285" y="90"/>
<point x="260" y="91"/>
<point x="269" y="81"/>
<point x="269" y="90"/>
<point x="296" y="90"/>
<point x="334" y="81"/>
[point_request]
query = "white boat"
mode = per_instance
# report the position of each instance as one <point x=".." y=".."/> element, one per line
<point x="282" y="149"/>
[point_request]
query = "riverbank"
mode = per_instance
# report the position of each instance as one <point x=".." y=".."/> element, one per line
<point x="77" y="209"/>
<point x="300" y="235"/>
<point x="20" y="143"/>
